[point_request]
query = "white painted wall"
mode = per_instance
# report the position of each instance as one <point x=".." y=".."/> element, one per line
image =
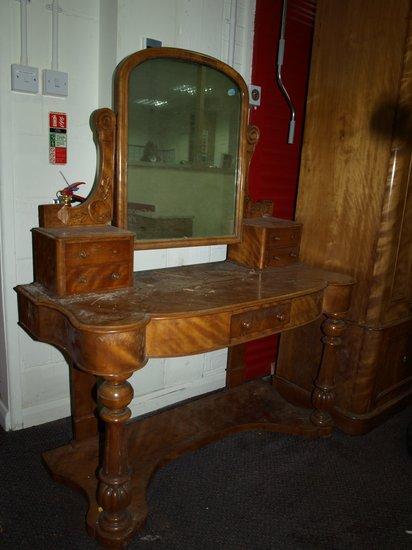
<point x="95" y="36"/>
<point x="37" y="375"/>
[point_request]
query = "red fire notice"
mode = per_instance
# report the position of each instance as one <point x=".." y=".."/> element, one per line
<point x="57" y="138"/>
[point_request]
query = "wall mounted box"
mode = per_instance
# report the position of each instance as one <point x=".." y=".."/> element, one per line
<point x="55" y="83"/>
<point x="24" y="79"/>
<point x="83" y="259"/>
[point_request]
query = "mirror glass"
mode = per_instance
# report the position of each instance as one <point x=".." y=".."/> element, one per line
<point x="183" y="141"/>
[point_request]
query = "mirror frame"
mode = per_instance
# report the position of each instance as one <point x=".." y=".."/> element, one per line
<point x="121" y="90"/>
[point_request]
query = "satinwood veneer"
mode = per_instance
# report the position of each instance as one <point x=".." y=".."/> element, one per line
<point x="108" y="323"/>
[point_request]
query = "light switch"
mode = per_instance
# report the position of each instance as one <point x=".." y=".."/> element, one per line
<point x="55" y="83"/>
<point x="24" y="79"/>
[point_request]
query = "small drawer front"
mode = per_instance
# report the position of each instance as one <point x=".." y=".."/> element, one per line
<point x="283" y="236"/>
<point x="101" y="277"/>
<point x="98" y="252"/>
<point x="281" y="256"/>
<point x="260" y="320"/>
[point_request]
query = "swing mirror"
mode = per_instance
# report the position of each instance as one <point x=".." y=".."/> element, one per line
<point x="180" y="148"/>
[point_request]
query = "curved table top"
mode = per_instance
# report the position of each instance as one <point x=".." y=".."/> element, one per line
<point x="186" y="291"/>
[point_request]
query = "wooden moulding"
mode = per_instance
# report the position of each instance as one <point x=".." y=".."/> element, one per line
<point x="158" y="439"/>
<point x="98" y="208"/>
<point x="249" y="136"/>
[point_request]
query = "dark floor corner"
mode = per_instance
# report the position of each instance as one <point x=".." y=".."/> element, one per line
<point x="253" y="490"/>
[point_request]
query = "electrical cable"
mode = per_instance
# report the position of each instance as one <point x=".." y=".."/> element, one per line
<point x="279" y="63"/>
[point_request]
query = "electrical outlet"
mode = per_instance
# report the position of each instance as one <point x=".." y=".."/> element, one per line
<point x="24" y="79"/>
<point x="55" y="83"/>
<point x="255" y="93"/>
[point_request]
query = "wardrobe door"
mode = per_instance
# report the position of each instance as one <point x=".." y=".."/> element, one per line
<point x="394" y="376"/>
<point x="391" y="290"/>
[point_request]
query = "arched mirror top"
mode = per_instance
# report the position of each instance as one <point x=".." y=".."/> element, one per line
<point x="181" y="148"/>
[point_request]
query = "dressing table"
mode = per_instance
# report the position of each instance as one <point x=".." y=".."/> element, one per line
<point x="173" y="162"/>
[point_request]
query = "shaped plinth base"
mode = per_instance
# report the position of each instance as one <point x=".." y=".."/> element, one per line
<point x="157" y="439"/>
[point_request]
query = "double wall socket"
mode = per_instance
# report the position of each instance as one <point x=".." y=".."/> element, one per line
<point x="24" y="79"/>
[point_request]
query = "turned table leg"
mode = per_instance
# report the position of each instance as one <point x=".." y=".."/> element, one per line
<point x="323" y="396"/>
<point x="114" y="490"/>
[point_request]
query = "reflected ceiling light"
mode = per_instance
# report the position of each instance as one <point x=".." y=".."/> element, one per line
<point x="151" y="102"/>
<point x="191" y="90"/>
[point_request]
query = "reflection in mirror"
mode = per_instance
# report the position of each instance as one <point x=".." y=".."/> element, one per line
<point x="183" y="140"/>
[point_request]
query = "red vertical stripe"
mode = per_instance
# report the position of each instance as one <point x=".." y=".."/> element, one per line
<point x="275" y="164"/>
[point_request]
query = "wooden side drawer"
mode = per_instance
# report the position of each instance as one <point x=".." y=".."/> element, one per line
<point x="260" y="320"/>
<point x="283" y="236"/>
<point x="97" y="252"/>
<point x="281" y="256"/>
<point x="100" y="277"/>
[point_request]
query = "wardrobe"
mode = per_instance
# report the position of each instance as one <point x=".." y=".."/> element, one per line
<point x="355" y="204"/>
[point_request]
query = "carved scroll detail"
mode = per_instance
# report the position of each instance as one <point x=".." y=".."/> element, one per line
<point x="98" y="208"/>
<point x="254" y="209"/>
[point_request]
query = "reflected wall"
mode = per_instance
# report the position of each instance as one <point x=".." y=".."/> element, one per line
<point x="183" y="142"/>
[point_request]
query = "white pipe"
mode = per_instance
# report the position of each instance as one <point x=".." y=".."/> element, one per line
<point x="23" y="33"/>
<point x="232" y="32"/>
<point x="55" y="35"/>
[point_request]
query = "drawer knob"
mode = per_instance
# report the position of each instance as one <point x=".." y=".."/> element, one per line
<point x="246" y="324"/>
<point x="276" y="258"/>
<point x="83" y="254"/>
<point x="276" y="238"/>
<point x="83" y="279"/>
<point x="405" y="359"/>
<point x="114" y="251"/>
<point x="280" y="317"/>
<point x="293" y="255"/>
<point x="115" y="276"/>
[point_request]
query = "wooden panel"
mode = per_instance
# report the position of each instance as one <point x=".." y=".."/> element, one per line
<point x="45" y="261"/>
<point x="391" y="292"/>
<point x="402" y="280"/>
<point x="177" y="337"/>
<point x="235" y="373"/>
<point x="251" y="251"/>
<point x="353" y="93"/>
<point x="395" y="360"/>
<point x="83" y="403"/>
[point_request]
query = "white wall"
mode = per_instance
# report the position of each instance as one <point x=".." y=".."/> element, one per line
<point x="95" y="35"/>
<point x="37" y="375"/>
